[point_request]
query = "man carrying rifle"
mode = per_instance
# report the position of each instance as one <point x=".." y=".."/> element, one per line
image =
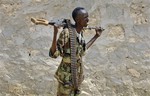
<point x="61" y="47"/>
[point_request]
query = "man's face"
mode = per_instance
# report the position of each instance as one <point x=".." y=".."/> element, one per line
<point x="82" y="18"/>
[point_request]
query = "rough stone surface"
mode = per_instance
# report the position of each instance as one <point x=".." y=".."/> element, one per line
<point x="117" y="64"/>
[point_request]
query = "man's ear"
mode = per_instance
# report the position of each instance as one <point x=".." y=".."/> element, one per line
<point x="77" y="19"/>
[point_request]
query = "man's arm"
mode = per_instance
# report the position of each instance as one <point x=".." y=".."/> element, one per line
<point x="54" y="42"/>
<point x="98" y="33"/>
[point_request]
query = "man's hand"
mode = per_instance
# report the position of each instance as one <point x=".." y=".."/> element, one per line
<point x="98" y="31"/>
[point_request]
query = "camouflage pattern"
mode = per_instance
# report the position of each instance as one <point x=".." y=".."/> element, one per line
<point x="63" y="73"/>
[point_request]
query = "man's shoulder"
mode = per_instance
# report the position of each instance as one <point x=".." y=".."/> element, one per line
<point x="64" y="34"/>
<point x="65" y="31"/>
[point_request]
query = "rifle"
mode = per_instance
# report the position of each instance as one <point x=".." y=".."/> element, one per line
<point x="57" y="23"/>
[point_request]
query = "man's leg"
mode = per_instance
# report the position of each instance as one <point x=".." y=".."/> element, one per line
<point x="63" y="90"/>
<point x="66" y="91"/>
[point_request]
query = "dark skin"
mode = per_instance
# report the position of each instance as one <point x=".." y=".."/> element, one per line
<point x="81" y="21"/>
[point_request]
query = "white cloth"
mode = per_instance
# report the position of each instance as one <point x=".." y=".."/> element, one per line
<point x="79" y="36"/>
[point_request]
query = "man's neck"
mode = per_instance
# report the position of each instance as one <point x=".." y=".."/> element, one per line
<point x="78" y="28"/>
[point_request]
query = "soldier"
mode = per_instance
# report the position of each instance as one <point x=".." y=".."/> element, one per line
<point x="61" y="47"/>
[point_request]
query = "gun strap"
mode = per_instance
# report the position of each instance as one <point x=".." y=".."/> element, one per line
<point x="74" y="72"/>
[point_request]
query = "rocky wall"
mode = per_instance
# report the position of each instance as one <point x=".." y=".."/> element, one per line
<point x="117" y="64"/>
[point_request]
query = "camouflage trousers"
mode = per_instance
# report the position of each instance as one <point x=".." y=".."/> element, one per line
<point x="66" y="91"/>
<point x="63" y="75"/>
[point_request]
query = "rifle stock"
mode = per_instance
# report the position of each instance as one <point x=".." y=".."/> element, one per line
<point x="58" y="23"/>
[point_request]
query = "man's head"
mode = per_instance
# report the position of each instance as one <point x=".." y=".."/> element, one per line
<point x="80" y="16"/>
